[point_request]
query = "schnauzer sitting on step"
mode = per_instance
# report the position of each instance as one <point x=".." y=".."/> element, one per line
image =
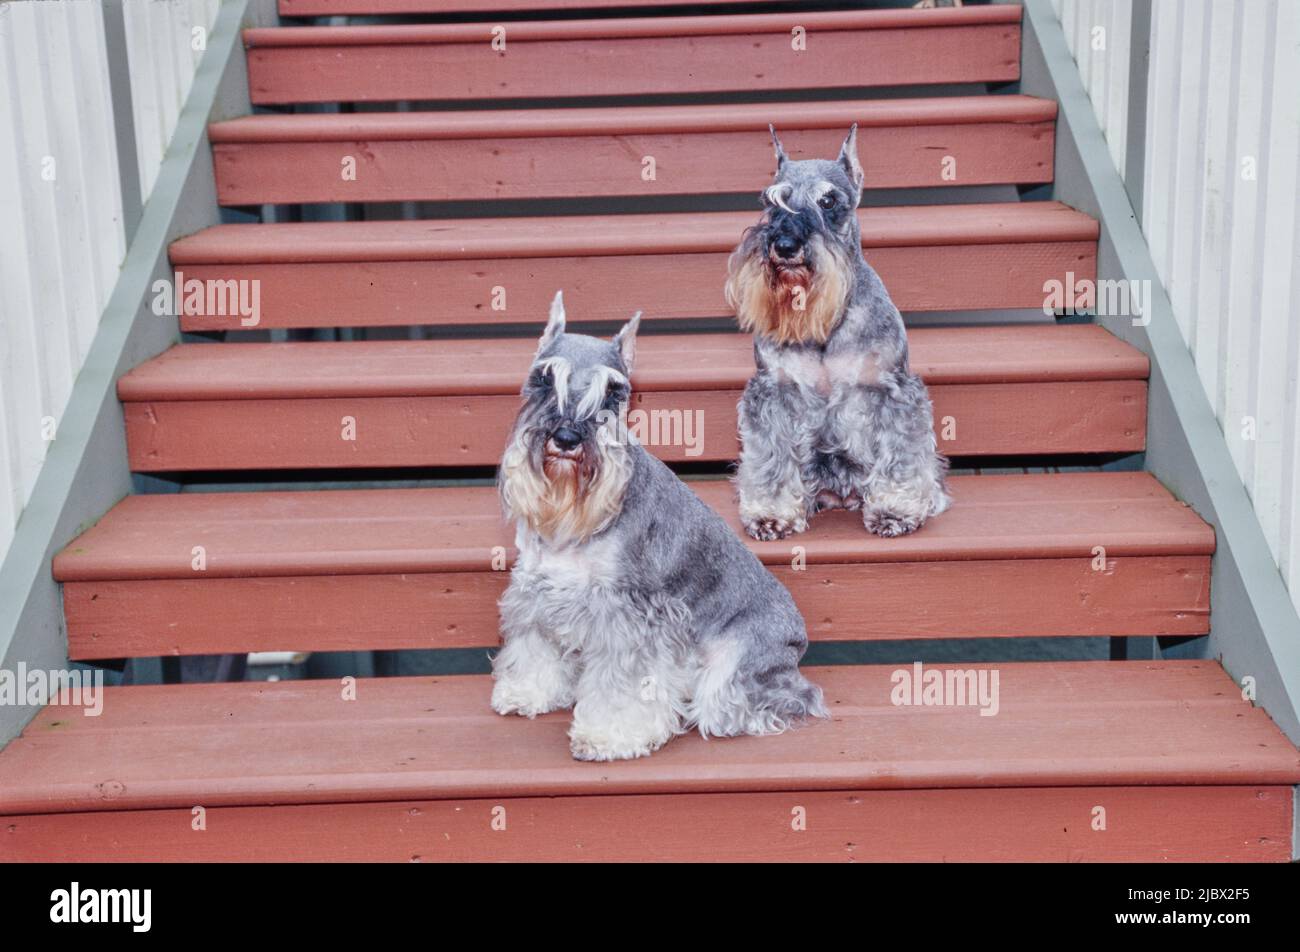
<point x="834" y="416"/>
<point x="631" y="600"/>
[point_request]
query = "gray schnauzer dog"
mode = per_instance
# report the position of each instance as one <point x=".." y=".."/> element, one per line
<point x="631" y="600"/>
<point x="834" y="416"/>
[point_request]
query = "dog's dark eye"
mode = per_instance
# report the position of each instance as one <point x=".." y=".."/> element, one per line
<point x="828" y="201"/>
<point x="542" y="377"/>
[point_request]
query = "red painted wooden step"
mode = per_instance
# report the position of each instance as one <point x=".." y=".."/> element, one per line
<point x="629" y="56"/>
<point x="932" y="257"/>
<point x="623" y="151"/>
<point x="1078" y="554"/>
<point x="997" y="391"/>
<point x="302" y="8"/>
<point x="414" y="767"/>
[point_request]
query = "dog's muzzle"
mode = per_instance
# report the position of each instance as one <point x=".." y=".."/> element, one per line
<point x="787" y="258"/>
<point x="565" y="444"/>
<point x="787" y="248"/>
<point x="790" y="272"/>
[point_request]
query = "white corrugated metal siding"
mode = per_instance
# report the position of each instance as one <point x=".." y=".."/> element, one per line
<point x="1221" y="212"/>
<point x="61" y="233"/>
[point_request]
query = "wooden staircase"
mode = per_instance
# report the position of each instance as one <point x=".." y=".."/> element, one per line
<point x="1135" y="760"/>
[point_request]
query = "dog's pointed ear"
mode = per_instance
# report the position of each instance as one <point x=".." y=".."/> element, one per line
<point x="625" y="341"/>
<point x="555" y="325"/>
<point x="849" y="157"/>
<point x="781" y="157"/>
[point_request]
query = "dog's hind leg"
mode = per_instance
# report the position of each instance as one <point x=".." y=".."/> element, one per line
<point x="735" y="694"/>
<point x="782" y="696"/>
<point x="719" y="707"/>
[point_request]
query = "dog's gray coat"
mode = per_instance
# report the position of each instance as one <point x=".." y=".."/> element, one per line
<point x="658" y="620"/>
<point x="829" y="421"/>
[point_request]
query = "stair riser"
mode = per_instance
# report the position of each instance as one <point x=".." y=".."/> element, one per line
<point x="1157" y="595"/>
<point x="699" y="426"/>
<point x="1144" y="824"/>
<point x="572" y="166"/>
<point x="629" y="66"/>
<point x="611" y="287"/>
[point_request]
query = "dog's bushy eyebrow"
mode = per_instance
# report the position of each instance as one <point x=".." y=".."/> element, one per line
<point x="560" y="370"/>
<point x="596" y="390"/>
<point x="778" y="193"/>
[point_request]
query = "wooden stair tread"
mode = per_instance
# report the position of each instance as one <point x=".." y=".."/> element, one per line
<point x="630" y="120"/>
<point x="632" y="56"/>
<point x="450" y="402"/>
<point x="701" y="25"/>
<point x="932" y="257"/>
<point x="1058" y="724"/>
<point x="455" y="529"/>
<point x="572" y="235"/>
<point x="302" y="8"/>
<point x="592" y="152"/>
<point x="457" y="367"/>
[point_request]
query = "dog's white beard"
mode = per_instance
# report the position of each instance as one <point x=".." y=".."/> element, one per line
<point x="804" y="306"/>
<point x="565" y="505"/>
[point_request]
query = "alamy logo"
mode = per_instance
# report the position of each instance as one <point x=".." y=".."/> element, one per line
<point x="946" y="687"/>
<point x="209" y="297"/>
<point x="659" y="427"/>
<point x="134" y="906"/>
<point x="39" y="688"/>
<point x="1106" y="298"/>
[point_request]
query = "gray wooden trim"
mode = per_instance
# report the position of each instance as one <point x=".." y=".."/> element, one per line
<point x="1255" y="630"/>
<point x="1135" y="138"/>
<point x="119" y="82"/>
<point x="86" y="471"/>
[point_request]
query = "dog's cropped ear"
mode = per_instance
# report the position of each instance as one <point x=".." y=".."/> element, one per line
<point x="625" y="341"/>
<point x="555" y="325"/>
<point x="781" y="157"/>
<point x="849" y="157"/>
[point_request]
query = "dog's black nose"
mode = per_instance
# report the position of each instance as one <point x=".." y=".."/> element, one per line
<point x="786" y="247"/>
<point x="565" y="438"/>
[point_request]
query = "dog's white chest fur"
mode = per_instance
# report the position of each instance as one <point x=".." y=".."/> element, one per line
<point x="575" y="567"/>
<point x="824" y="374"/>
<point x="572" y="578"/>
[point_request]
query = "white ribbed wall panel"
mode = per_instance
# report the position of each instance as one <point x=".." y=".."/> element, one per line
<point x="1097" y="33"/>
<point x="164" y="51"/>
<point x="61" y="225"/>
<point x="1221" y="212"/>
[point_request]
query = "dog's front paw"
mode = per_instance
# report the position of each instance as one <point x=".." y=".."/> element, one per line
<point x="596" y="745"/>
<point x="593" y="751"/>
<point x="584" y="750"/>
<point x="890" y="524"/>
<point x="522" y="698"/>
<point x="769" y="529"/>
